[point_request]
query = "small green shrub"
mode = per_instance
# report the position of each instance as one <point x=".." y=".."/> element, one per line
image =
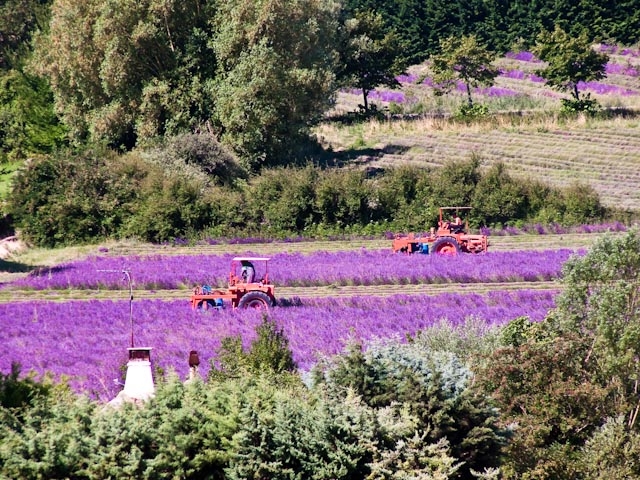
<point x="471" y="112"/>
<point x="586" y="104"/>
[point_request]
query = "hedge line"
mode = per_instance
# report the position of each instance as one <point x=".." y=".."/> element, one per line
<point x="81" y="197"/>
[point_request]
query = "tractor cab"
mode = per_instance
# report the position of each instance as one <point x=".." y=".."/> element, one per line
<point x="453" y="225"/>
<point x="244" y="271"/>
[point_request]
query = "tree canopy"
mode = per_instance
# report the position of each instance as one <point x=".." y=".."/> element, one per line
<point x="373" y="56"/>
<point x="570" y="59"/>
<point x="463" y="59"/>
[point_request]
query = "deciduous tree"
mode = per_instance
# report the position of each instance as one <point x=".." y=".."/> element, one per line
<point x="275" y="76"/>
<point x="570" y="60"/>
<point x="463" y="59"/>
<point x="372" y="56"/>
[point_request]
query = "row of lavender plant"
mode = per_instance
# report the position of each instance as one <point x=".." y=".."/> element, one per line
<point x="360" y="267"/>
<point x="87" y="341"/>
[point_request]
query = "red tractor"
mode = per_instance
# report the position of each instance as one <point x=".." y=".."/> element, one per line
<point x="245" y="290"/>
<point x="449" y="239"/>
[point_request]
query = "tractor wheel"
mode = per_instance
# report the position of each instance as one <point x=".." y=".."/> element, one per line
<point x="255" y="300"/>
<point x="446" y="246"/>
<point x="206" y="305"/>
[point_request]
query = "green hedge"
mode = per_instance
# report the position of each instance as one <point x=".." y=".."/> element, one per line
<point x="82" y="197"/>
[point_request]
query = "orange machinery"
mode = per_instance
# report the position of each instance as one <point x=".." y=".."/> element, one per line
<point x="246" y="288"/>
<point x="450" y="238"/>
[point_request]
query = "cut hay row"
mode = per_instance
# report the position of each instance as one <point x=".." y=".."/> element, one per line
<point x="606" y="159"/>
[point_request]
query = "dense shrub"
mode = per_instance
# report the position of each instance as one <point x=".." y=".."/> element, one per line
<point x="71" y="197"/>
<point x="498" y="199"/>
<point x="567" y="381"/>
<point x="433" y="387"/>
<point x="282" y="200"/>
<point x="198" y="156"/>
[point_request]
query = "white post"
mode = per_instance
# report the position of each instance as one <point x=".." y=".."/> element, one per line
<point x="138" y="384"/>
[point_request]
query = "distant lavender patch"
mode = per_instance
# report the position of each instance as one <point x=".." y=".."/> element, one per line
<point x="604" y="89"/>
<point x="387" y="96"/>
<point x="522" y="56"/>
<point x="515" y="74"/>
<point x="497" y="92"/>
<point x="617" y="69"/>
<point x="614" y="49"/>
<point x="363" y="267"/>
<point x="630" y="52"/>
<point x="410" y="78"/>
<point x="87" y="341"/>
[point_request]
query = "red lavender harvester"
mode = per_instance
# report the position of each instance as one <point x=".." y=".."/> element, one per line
<point x="450" y="238"/>
<point x="246" y="288"/>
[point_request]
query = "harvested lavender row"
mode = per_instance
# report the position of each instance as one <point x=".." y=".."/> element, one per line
<point x="364" y="267"/>
<point x="87" y="341"/>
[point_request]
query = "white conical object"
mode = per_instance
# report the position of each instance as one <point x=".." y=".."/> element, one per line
<point x="138" y="383"/>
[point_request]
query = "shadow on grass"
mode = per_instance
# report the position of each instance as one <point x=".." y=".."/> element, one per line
<point x="359" y="156"/>
<point x="15" y="267"/>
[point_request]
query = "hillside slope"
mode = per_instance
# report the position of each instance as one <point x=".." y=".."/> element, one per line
<point x="524" y="129"/>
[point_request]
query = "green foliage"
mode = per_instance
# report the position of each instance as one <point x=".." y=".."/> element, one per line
<point x="282" y="200"/>
<point x="290" y="436"/>
<point x="28" y="124"/>
<point x="275" y="75"/>
<point x="546" y="390"/>
<point x="586" y="104"/>
<point x="600" y="300"/>
<point x="463" y="59"/>
<point x="342" y="197"/>
<point x="561" y="381"/>
<point x="612" y="452"/>
<point x="372" y="56"/>
<point x="471" y="111"/>
<point x="121" y="71"/>
<point x="497" y="198"/>
<point x="71" y="197"/>
<point x="454" y="184"/>
<point x="170" y="207"/>
<point x="50" y="439"/>
<point x="184" y="432"/>
<point x="198" y="156"/>
<point x="268" y="354"/>
<point x="16" y="392"/>
<point x="18" y="21"/>
<point x="570" y="59"/>
<point x="433" y="387"/>
<point x="157" y="196"/>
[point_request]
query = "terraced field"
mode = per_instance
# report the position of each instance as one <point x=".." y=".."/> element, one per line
<point x="607" y="157"/>
<point x="521" y="132"/>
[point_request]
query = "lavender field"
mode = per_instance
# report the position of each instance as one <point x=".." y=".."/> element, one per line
<point x="86" y="341"/>
<point x="363" y="267"/>
<point x="363" y="294"/>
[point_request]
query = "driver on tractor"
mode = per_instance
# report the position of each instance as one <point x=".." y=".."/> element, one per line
<point x="248" y="272"/>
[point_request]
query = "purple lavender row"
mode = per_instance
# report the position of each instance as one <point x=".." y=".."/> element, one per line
<point x="361" y="267"/>
<point x="87" y="341"/>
